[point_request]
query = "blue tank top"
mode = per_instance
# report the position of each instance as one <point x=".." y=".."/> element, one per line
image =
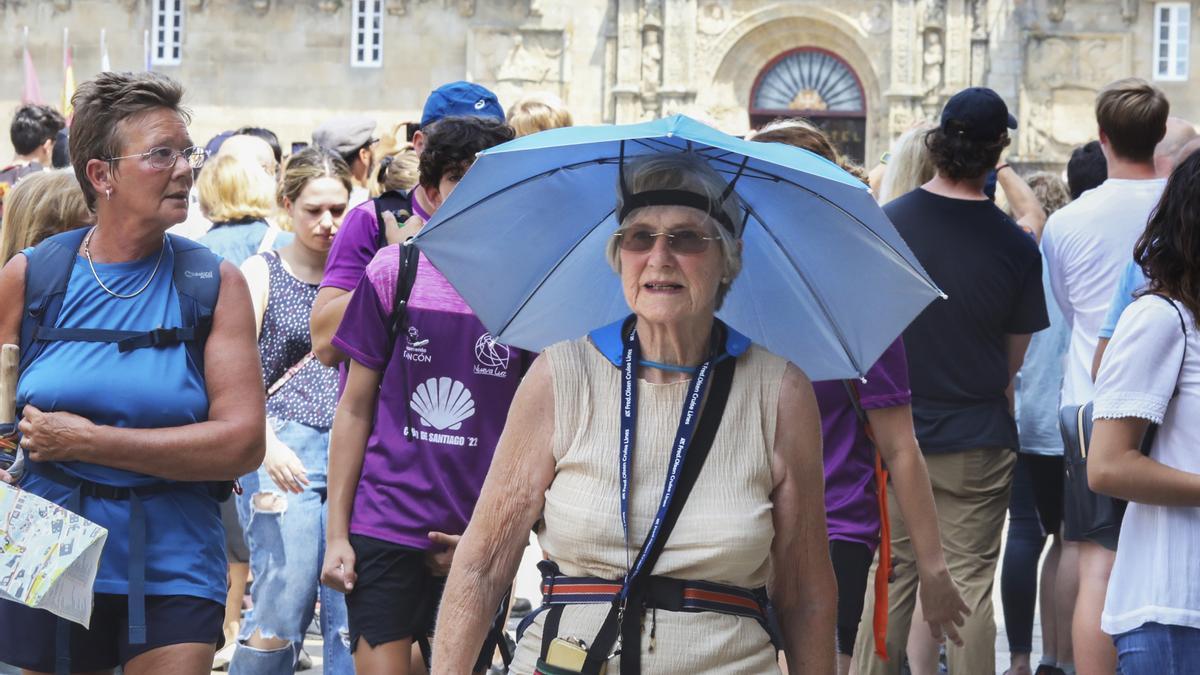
<point x="143" y="389"/>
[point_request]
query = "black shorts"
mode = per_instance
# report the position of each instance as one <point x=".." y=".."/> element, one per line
<point x="396" y="596"/>
<point x="1046" y="475"/>
<point x="28" y="635"/>
<point x="852" y="567"/>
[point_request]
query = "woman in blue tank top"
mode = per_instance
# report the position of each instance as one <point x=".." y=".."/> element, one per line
<point x="139" y="437"/>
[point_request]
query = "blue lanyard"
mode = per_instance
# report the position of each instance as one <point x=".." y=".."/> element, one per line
<point x="683" y="438"/>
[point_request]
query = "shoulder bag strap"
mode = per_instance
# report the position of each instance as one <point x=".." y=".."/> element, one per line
<point x="406" y="276"/>
<point x="883" y="573"/>
<point x="1152" y="430"/>
<point x="629" y="627"/>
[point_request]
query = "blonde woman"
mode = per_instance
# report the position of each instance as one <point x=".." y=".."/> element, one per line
<point x="538" y="112"/>
<point x="41" y="205"/>
<point x="238" y="196"/>
<point x="909" y="165"/>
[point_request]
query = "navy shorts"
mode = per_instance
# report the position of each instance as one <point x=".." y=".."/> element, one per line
<point x="29" y="634"/>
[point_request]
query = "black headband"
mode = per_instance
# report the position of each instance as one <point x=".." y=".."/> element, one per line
<point x="629" y="202"/>
<point x="674" y="198"/>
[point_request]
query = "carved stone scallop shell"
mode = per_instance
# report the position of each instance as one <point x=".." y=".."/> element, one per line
<point x="443" y="403"/>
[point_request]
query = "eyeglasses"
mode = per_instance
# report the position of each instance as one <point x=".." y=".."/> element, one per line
<point x="165" y="158"/>
<point x="686" y="241"/>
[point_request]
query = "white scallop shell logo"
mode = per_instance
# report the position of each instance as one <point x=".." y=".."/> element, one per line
<point x="443" y="403"/>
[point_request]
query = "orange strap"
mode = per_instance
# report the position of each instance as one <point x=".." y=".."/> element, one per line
<point x="883" y="573"/>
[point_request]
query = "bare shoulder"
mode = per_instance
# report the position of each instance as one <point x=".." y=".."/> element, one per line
<point x="12" y="285"/>
<point x="795" y="394"/>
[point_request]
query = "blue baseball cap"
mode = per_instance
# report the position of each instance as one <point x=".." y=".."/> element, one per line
<point x="460" y="99"/>
<point x="979" y="113"/>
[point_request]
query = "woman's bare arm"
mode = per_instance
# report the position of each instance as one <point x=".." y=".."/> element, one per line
<point x="327" y="312"/>
<point x="803" y="588"/>
<point x="229" y="444"/>
<point x="892" y="429"/>
<point x="1117" y="467"/>
<point x="511" y="502"/>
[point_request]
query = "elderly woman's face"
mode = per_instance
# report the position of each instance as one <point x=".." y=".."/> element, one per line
<point x="664" y="285"/>
<point x="139" y="189"/>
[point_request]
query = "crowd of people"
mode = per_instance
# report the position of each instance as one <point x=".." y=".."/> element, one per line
<point x="284" y="414"/>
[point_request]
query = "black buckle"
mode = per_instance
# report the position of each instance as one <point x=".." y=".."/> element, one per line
<point x="164" y="337"/>
<point x="664" y="593"/>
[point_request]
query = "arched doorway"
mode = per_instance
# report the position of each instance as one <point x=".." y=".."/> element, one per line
<point x="817" y="84"/>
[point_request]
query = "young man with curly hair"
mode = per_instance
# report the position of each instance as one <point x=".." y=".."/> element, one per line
<point x="962" y="355"/>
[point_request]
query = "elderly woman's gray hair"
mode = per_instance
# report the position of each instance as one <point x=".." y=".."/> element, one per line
<point x="102" y="103"/>
<point x="684" y="171"/>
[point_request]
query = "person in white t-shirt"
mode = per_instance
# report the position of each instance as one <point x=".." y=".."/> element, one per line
<point x="1086" y="245"/>
<point x="1151" y="374"/>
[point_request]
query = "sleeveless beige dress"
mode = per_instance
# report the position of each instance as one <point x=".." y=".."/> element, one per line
<point x="723" y="534"/>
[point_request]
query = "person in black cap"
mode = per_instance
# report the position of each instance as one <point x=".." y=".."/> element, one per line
<point x="366" y="230"/>
<point x="962" y="355"/>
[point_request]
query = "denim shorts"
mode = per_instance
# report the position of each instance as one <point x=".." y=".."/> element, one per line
<point x="1158" y="649"/>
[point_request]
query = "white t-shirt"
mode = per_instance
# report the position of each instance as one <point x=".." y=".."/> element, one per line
<point x="1155" y="575"/>
<point x="1087" y="245"/>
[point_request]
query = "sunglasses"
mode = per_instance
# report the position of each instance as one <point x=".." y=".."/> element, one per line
<point x="684" y="241"/>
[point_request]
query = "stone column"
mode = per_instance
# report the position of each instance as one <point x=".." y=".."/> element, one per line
<point x="627" y="93"/>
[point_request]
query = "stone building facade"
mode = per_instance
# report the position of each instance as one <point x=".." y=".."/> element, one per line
<point x="865" y="69"/>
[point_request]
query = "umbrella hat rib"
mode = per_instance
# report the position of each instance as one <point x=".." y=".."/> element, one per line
<point x="837" y="329"/>
<point x="558" y="263"/>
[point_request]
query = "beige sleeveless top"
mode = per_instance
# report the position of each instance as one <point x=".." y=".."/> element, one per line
<point x="723" y="534"/>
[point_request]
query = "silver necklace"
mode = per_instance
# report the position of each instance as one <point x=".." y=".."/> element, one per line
<point x="87" y="253"/>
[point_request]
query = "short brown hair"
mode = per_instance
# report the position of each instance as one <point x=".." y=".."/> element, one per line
<point x="102" y="103"/>
<point x="800" y="133"/>
<point x="1132" y="113"/>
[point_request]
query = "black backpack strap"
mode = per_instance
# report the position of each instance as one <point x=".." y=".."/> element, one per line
<point x="627" y="621"/>
<point x="406" y="276"/>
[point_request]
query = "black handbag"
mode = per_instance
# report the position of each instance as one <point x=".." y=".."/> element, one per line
<point x="1089" y="515"/>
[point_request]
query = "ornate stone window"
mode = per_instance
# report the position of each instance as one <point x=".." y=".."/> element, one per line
<point x="817" y="84"/>
<point x="166" y="32"/>
<point x="366" y="33"/>
<point x="1172" y="30"/>
<point x="808" y="80"/>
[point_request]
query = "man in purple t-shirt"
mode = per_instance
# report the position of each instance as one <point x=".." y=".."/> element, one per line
<point x="414" y="431"/>
<point x="358" y="239"/>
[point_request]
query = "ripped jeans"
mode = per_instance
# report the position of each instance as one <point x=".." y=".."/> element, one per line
<point x="286" y="534"/>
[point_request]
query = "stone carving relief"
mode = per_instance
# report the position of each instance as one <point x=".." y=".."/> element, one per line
<point x="652" y="62"/>
<point x="652" y="13"/>
<point x="260" y="6"/>
<point x="979" y="27"/>
<point x="1062" y="75"/>
<point x="466" y="8"/>
<point x="874" y="19"/>
<point x="397" y="7"/>
<point x="1056" y="10"/>
<point x="62" y="5"/>
<point x="712" y="16"/>
<point x="934" y="59"/>
<point x="935" y="13"/>
<point x="905" y="74"/>
<point x="1129" y="10"/>
<point x="516" y="61"/>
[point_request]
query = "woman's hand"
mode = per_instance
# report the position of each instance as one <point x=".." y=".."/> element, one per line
<point x="53" y="437"/>
<point x="6" y="477"/>
<point x="284" y="467"/>
<point x="943" y="605"/>
<point x="337" y="572"/>
<point x="439" y="562"/>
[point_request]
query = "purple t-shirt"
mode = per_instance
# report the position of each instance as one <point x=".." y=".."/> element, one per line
<point x="355" y="246"/>
<point x="851" y="509"/>
<point x="448" y="381"/>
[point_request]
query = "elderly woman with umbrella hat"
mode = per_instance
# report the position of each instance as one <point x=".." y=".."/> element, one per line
<point x="642" y="576"/>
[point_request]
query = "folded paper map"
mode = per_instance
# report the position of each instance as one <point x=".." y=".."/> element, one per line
<point x="48" y="555"/>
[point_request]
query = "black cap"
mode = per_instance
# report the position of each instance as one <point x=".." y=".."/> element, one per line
<point x="979" y="113"/>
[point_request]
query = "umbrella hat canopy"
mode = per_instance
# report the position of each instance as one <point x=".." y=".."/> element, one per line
<point x="826" y="280"/>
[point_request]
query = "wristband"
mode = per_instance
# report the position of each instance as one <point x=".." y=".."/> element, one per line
<point x="1003" y="167"/>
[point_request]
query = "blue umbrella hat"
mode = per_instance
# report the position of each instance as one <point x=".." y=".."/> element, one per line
<point x="826" y="281"/>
